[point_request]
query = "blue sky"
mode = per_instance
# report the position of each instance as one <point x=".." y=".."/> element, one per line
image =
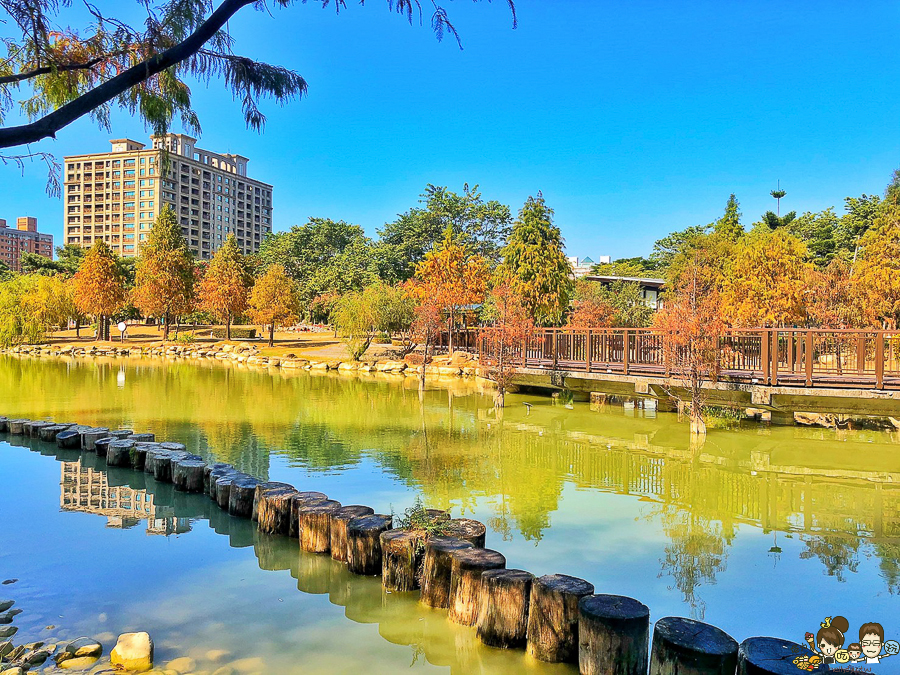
<point x="635" y="118"/>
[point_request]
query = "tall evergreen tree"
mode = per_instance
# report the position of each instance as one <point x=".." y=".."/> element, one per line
<point x="729" y="225"/>
<point x="535" y="263"/>
<point x="225" y="287"/>
<point x="164" y="278"/>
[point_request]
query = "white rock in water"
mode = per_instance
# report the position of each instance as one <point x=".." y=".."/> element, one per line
<point x="133" y="651"/>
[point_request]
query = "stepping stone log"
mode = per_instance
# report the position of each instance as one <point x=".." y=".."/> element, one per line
<point x="187" y="475"/>
<point x="49" y="432"/>
<point x="89" y="437"/>
<point x="121" y="434"/>
<point x="466" y="529"/>
<point x="402" y="552"/>
<point x="158" y="463"/>
<point x="102" y="445"/>
<point x="118" y="453"/>
<point x="68" y="440"/>
<point x="769" y="656"/>
<point x="465" y="581"/>
<point x="553" y="617"/>
<point x="436" y="570"/>
<point x="338" y="528"/>
<point x="210" y="473"/>
<point x="4" y="425"/>
<point x="503" y="608"/>
<point x="613" y="635"/>
<point x="259" y="489"/>
<point x="143" y="438"/>
<point x="364" y="543"/>
<point x="223" y="483"/>
<point x="274" y="508"/>
<point x="687" y="647"/>
<point x="17" y="427"/>
<point x="315" y="525"/>
<point x="298" y="500"/>
<point x="240" y="496"/>
<point x="33" y="429"/>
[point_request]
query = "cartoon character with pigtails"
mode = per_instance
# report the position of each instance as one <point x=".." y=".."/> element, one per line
<point x="827" y="645"/>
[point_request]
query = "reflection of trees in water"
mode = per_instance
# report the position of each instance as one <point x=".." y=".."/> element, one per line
<point x="889" y="557"/>
<point x="838" y="555"/>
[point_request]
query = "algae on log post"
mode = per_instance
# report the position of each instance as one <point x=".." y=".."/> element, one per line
<point x="187" y="475"/>
<point x="613" y="635"/>
<point x="16" y="427"/>
<point x="274" y="509"/>
<point x="118" y="453"/>
<point x="240" y="497"/>
<point x="553" y="617"/>
<point x="259" y="490"/>
<point x="298" y="500"/>
<point x="687" y="647"/>
<point x="401" y="558"/>
<point x="364" y="543"/>
<point x="338" y="528"/>
<point x="436" y="570"/>
<point x="465" y="581"/>
<point x="211" y="474"/>
<point x="68" y="440"/>
<point x="466" y="529"/>
<point x="503" y="609"/>
<point x="768" y="656"/>
<point x="315" y="525"/>
<point x="139" y="454"/>
<point x="89" y="437"/>
<point x="223" y="487"/>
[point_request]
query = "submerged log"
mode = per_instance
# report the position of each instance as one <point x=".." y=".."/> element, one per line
<point x="465" y="581"/>
<point x="466" y="529"/>
<point x="187" y="475"/>
<point x="274" y="509"/>
<point x="401" y="558"/>
<point x="240" y="497"/>
<point x="503" y="609"/>
<point x="436" y="570"/>
<point x="338" y="528"/>
<point x="553" y="617"/>
<point x="259" y="490"/>
<point x="688" y="647"/>
<point x="768" y="656"/>
<point x="613" y="635"/>
<point x="118" y="453"/>
<point x="315" y="525"/>
<point x="364" y="543"/>
<point x="298" y="500"/>
<point x="68" y="440"/>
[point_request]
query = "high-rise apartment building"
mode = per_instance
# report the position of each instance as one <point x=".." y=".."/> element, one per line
<point x="116" y="196"/>
<point x="24" y="239"/>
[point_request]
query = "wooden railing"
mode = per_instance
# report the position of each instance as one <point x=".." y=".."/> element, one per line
<point x="772" y="356"/>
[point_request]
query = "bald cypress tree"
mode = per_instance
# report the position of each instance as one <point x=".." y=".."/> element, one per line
<point x="225" y="288"/>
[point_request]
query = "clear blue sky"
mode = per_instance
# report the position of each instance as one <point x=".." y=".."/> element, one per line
<point x="635" y="118"/>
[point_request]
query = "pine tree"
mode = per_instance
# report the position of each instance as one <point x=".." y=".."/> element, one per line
<point x="164" y="279"/>
<point x="535" y="263"/>
<point x="274" y="300"/>
<point x="225" y="286"/>
<point x="729" y="225"/>
<point x="99" y="287"/>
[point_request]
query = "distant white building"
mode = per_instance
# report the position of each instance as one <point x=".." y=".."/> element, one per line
<point x="582" y="266"/>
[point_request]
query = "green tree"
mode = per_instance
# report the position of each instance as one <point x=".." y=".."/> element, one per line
<point x="5" y="272"/>
<point x="535" y="263"/>
<point x="877" y="274"/>
<point x="628" y="267"/>
<point x="773" y="221"/>
<point x="729" y="225"/>
<point x="665" y="250"/>
<point x="225" y="286"/>
<point x="356" y="318"/>
<point x="482" y="226"/>
<point x="164" y="277"/>
<point x="819" y="232"/>
<point x="68" y="260"/>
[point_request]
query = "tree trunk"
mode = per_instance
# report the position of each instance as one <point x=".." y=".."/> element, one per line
<point x="228" y="326"/>
<point x="553" y="617"/>
<point x="77" y="328"/>
<point x="424" y="360"/>
<point x="698" y="425"/>
<point x="166" y="328"/>
<point x="503" y="609"/>
<point x="613" y="636"/>
<point x="272" y="334"/>
<point x="465" y="581"/>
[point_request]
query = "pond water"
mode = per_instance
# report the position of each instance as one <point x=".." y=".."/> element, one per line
<point x="760" y="531"/>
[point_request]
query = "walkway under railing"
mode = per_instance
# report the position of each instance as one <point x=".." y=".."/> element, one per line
<point x="771" y="356"/>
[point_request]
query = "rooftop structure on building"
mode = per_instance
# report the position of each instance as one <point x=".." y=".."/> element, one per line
<point x="583" y="266"/>
<point x="24" y="239"/>
<point x="116" y="196"/>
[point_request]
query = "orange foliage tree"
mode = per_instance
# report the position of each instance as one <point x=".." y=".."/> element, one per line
<point x="511" y="328"/>
<point x="225" y="287"/>
<point x="274" y="300"/>
<point x="99" y="287"/>
<point x="450" y="277"/>
<point x="877" y="273"/>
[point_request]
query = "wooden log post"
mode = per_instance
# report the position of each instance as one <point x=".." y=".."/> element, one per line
<point x="338" y="528"/>
<point x="613" y="635"/>
<point x="187" y="474"/>
<point x="503" y="609"/>
<point x="210" y="473"/>
<point x="143" y="438"/>
<point x="223" y="483"/>
<point x="102" y="446"/>
<point x="33" y="429"/>
<point x="118" y="453"/>
<point x="138" y="454"/>
<point x="158" y="463"/>
<point x="437" y="567"/>
<point x="402" y="552"/>
<point x="298" y="500"/>
<point x="240" y="497"/>
<point x="687" y="647"/>
<point x="465" y="581"/>
<point x="4" y="425"/>
<point x="174" y="447"/>
<point x="314" y="521"/>
<point x="274" y="509"/>
<point x="364" y="543"/>
<point x="769" y="656"/>
<point x="50" y="432"/>
<point x="259" y="490"/>
<point x="16" y="427"/>
<point x="466" y="529"/>
<point x="120" y="434"/>
<point x="89" y="437"/>
<point x="553" y="617"/>
<point x="67" y="440"/>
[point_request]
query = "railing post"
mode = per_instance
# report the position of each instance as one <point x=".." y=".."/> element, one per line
<point x="555" y="349"/>
<point x="625" y="354"/>
<point x="879" y="359"/>
<point x="587" y="353"/>
<point x="809" y="358"/>
<point x="861" y="353"/>
<point x="765" y="363"/>
<point x="773" y="353"/>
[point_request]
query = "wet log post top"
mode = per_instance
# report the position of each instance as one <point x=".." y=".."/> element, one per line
<point x="466" y="529"/>
<point x="143" y="438"/>
<point x="340" y="519"/>
<point x="613" y="635"/>
<point x="769" y="656"/>
<point x="259" y="491"/>
<point x="274" y="508"/>
<point x="401" y="559"/>
<point x="240" y="496"/>
<point x="364" y="543"/>
<point x="553" y="617"/>
<point x="315" y="525"/>
<point x="67" y="440"/>
<point x="467" y="566"/>
<point x="298" y="500"/>
<point x="437" y="568"/>
<point x="687" y="647"/>
<point x="89" y="438"/>
<point x="503" y="608"/>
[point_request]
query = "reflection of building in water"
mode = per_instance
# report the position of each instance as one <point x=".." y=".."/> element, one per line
<point x="88" y="490"/>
